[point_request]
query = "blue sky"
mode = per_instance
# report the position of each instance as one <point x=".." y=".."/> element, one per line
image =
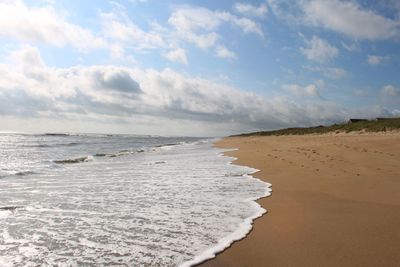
<point x="196" y="67"/>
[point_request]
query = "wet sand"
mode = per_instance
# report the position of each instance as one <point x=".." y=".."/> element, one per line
<point x="335" y="201"/>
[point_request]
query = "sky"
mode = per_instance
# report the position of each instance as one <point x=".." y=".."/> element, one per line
<point x="196" y="68"/>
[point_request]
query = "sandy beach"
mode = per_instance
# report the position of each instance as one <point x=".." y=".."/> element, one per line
<point x="335" y="201"/>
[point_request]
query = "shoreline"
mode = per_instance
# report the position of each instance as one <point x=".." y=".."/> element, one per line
<point x="335" y="201"/>
<point x="244" y="228"/>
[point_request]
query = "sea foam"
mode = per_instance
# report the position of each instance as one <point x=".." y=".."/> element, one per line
<point x="243" y="230"/>
<point x="174" y="205"/>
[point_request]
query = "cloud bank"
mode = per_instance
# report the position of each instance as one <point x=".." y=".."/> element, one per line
<point x="100" y="93"/>
<point x="153" y="98"/>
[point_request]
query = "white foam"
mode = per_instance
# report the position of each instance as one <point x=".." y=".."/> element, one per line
<point x="242" y="231"/>
<point x="129" y="210"/>
<point x="4" y="214"/>
<point x="28" y="251"/>
<point x="4" y="261"/>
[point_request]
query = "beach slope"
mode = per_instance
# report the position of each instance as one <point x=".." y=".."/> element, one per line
<point x="335" y="201"/>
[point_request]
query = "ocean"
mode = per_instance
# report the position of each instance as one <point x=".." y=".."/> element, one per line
<point x="120" y="200"/>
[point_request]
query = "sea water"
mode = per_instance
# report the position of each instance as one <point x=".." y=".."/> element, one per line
<point x="120" y="200"/>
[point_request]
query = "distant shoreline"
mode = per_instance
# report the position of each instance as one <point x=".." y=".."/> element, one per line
<point x="334" y="201"/>
<point x="353" y="125"/>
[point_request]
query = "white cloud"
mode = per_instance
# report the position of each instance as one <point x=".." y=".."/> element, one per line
<point x="376" y="60"/>
<point x="200" y="25"/>
<point x="309" y="90"/>
<point x="122" y="95"/>
<point x="345" y="17"/>
<point x="195" y="19"/>
<point x="390" y="91"/>
<point x="245" y="24"/>
<point x="251" y="10"/>
<point x="195" y="25"/>
<point x="43" y="25"/>
<point x="191" y="19"/>
<point x="373" y="112"/>
<point x="223" y="52"/>
<point x="319" y="50"/>
<point x="349" y="18"/>
<point x="28" y="54"/>
<point x="177" y="55"/>
<point x="119" y="33"/>
<point x="119" y="28"/>
<point x="201" y="40"/>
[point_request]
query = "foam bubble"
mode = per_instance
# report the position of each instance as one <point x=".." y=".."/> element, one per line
<point x="130" y="210"/>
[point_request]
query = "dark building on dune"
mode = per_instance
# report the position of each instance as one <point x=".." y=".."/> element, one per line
<point x="355" y="120"/>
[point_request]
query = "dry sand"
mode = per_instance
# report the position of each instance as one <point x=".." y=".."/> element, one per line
<point x="335" y="201"/>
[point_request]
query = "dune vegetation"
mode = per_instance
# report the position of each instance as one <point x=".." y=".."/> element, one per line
<point x="354" y="125"/>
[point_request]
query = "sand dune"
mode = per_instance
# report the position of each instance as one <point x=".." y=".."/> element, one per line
<point x="335" y="201"/>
